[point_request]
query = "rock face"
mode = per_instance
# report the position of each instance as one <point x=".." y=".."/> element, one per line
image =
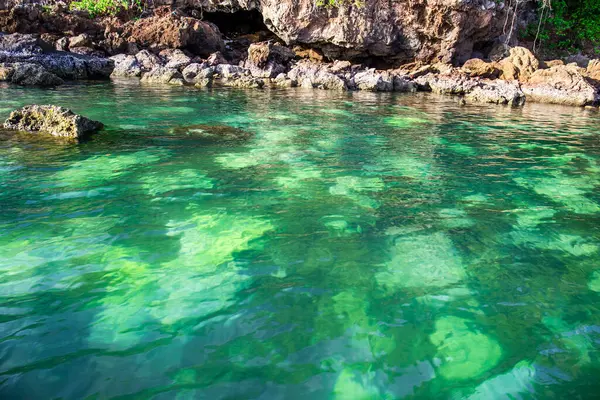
<point x="32" y="64"/>
<point x="473" y="90"/>
<point x="267" y="60"/>
<point x="562" y="84"/>
<point x="167" y="31"/>
<point x="425" y="30"/>
<point x="26" y="74"/>
<point x="519" y="65"/>
<point x="51" y="120"/>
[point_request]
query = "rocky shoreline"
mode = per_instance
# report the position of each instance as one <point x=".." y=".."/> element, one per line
<point x="180" y="50"/>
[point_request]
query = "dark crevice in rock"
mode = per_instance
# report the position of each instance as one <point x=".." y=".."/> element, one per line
<point x="238" y="23"/>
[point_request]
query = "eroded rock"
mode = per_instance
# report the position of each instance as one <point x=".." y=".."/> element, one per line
<point x="267" y="60"/>
<point x="162" y="74"/>
<point x="166" y="30"/>
<point x="26" y="74"/>
<point x="562" y="84"/>
<point x="51" y="120"/>
<point x="519" y="65"/>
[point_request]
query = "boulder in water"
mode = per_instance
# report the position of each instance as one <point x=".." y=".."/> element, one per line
<point x="51" y="120"/>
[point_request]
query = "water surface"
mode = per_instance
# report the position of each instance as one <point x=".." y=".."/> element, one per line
<point x="352" y="246"/>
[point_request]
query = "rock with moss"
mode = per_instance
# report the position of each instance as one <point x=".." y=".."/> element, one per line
<point x="51" y="120"/>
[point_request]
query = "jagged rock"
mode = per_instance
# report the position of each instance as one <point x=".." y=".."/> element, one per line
<point x="283" y="81"/>
<point x="167" y="30"/>
<point x="313" y="75"/>
<point x="25" y="44"/>
<point x="246" y="82"/>
<point x="25" y="74"/>
<point x="147" y="60"/>
<point x="499" y="52"/>
<point x="474" y="90"/>
<point x="403" y="84"/>
<point x="480" y="68"/>
<point x="198" y="74"/>
<point x="579" y="59"/>
<point x="267" y="60"/>
<point x="126" y="66"/>
<point x="82" y="40"/>
<point x="87" y="51"/>
<point x="228" y="71"/>
<point x="339" y="66"/>
<point x="552" y="63"/>
<point x="62" y="44"/>
<point x="216" y="58"/>
<point x="308" y="53"/>
<point x="496" y="92"/>
<point x="593" y="70"/>
<point x="425" y="30"/>
<point x="51" y="120"/>
<point x="6" y="72"/>
<point x="176" y="59"/>
<point x="374" y="81"/>
<point x="162" y="75"/>
<point x="519" y="65"/>
<point x="563" y="84"/>
<point x="454" y="83"/>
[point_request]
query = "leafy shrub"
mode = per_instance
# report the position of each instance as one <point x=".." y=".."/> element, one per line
<point x="105" y="7"/>
<point x="568" y="24"/>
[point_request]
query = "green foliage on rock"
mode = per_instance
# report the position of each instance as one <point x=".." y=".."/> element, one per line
<point x="568" y="24"/>
<point x="105" y="7"/>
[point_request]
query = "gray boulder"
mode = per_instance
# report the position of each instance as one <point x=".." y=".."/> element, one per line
<point x="374" y="81"/>
<point x="162" y="75"/>
<point x="26" y="74"/>
<point x="126" y="66"/>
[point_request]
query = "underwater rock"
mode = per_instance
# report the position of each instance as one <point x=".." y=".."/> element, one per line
<point x="216" y="133"/>
<point x="464" y="353"/>
<point x="51" y="120"/>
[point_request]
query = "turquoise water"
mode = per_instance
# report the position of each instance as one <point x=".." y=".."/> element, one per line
<point x="346" y="246"/>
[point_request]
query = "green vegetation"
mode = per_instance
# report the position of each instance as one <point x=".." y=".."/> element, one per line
<point x="338" y="3"/>
<point x="105" y="7"/>
<point x="568" y="24"/>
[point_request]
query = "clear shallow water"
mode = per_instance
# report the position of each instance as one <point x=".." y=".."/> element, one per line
<point x="357" y="246"/>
